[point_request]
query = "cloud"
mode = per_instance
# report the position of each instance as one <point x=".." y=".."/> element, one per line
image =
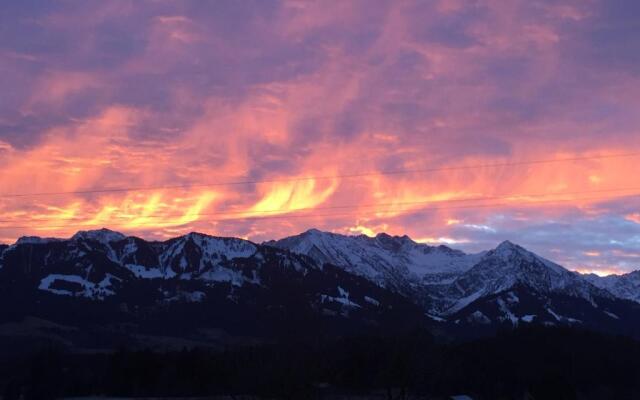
<point x="211" y="108"/>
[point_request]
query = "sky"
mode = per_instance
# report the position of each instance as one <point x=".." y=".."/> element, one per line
<point x="455" y="122"/>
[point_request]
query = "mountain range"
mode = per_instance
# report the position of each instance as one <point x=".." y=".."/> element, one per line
<point x="101" y="288"/>
<point x="508" y="284"/>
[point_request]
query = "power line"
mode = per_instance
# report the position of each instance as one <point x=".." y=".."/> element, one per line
<point x="328" y="177"/>
<point x="337" y="207"/>
<point x="289" y="216"/>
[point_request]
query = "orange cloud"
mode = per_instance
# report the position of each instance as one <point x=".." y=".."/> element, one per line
<point x="286" y="197"/>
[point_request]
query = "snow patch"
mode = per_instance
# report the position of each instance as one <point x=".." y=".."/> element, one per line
<point x="189" y="297"/>
<point x="612" y="315"/>
<point x="371" y="300"/>
<point x="465" y="301"/>
<point x="553" y="314"/>
<point x="512" y="298"/>
<point x="91" y="290"/>
<point x="528" y="318"/>
<point x="140" y="271"/>
<point x="342" y="298"/>
<point x="234" y="277"/>
<point x="561" y="318"/>
<point x="506" y="312"/>
<point x="435" y="318"/>
<point x="478" y="317"/>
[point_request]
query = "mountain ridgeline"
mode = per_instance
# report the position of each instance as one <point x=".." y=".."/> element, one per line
<point x="101" y="289"/>
<point x="508" y="285"/>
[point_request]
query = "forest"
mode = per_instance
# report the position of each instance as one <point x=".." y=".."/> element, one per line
<point x="526" y="363"/>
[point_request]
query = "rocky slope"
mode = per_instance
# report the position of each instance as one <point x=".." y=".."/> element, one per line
<point x="478" y="289"/>
<point x="315" y="282"/>
<point x="626" y="286"/>
<point x="99" y="288"/>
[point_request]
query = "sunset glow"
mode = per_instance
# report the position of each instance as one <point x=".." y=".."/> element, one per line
<point x="462" y="126"/>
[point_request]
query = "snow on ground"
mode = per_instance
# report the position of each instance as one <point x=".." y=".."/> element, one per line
<point x="371" y="300"/>
<point x="235" y="277"/>
<point x="561" y="318"/>
<point x="528" y="318"/>
<point x="478" y="317"/>
<point x="463" y="302"/>
<point x="612" y="315"/>
<point x="91" y="290"/>
<point x="342" y="298"/>
<point x="507" y="314"/>
<point x="140" y="271"/>
<point x="512" y="298"/>
<point x="436" y="318"/>
<point x="191" y="297"/>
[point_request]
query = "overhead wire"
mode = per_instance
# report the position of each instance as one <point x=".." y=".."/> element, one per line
<point x="314" y="215"/>
<point x="389" y="204"/>
<point x="325" y="177"/>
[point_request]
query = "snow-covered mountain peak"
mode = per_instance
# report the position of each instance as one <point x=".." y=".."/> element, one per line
<point x="527" y="263"/>
<point x="103" y="235"/>
<point x="508" y="266"/>
<point x="517" y="256"/>
<point x="314" y="231"/>
<point x="507" y="245"/>
<point x="510" y="250"/>
<point x="197" y="252"/>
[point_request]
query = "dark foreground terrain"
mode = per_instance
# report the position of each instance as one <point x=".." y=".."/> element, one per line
<point x="314" y="316"/>
<point x="526" y="363"/>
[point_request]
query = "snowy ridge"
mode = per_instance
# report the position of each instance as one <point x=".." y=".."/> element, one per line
<point x="391" y="261"/>
<point x="508" y="284"/>
<point x="205" y="257"/>
<point x="35" y="240"/>
<point x="88" y="264"/>
<point x="189" y="285"/>
<point x="100" y="235"/>
<point x="509" y="265"/>
<point x="625" y="286"/>
<point x="446" y="281"/>
<point x="209" y="251"/>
